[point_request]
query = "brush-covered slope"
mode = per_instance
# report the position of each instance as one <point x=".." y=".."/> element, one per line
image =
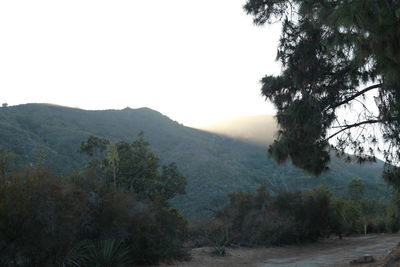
<point x="215" y="165"/>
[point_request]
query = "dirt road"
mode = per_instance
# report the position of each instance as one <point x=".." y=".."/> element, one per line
<point x="327" y="252"/>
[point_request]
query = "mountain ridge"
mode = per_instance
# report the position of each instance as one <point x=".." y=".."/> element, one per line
<point x="215" y="165"/>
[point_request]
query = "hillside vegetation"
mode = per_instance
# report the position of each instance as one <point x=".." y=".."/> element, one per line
<point x="215" y="165"/>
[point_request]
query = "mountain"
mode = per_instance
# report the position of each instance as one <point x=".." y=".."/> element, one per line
<point x="214" y="164"/>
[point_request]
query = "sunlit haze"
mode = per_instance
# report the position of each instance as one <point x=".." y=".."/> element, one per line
<point x="197" y="62"/>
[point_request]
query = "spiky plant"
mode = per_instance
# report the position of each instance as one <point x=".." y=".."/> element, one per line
<point x="102" y="253"/>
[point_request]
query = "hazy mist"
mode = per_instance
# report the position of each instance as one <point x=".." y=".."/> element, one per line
<point x="259" y="129"/>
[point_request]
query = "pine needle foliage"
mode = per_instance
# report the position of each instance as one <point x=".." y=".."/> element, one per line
<point x="334" y="52"/>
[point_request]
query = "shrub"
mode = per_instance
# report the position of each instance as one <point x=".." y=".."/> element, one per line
<point x="151" y="231"/>
<point x="38" y="220"/>
<point x="288" y="217"/>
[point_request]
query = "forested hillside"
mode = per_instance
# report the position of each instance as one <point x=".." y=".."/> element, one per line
<point x="214" y="165"/>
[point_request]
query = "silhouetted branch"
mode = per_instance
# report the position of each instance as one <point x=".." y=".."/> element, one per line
<point x="349" y="126"/>
<point x="347" y="100"/>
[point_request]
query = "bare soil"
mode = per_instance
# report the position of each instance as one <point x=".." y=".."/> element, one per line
<point x="326" y="252"/>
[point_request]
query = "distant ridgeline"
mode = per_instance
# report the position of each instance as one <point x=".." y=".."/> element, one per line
<point x="215" y="165"/>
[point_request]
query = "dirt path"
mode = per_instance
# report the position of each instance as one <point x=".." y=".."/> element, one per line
<point x="328" y="252"/>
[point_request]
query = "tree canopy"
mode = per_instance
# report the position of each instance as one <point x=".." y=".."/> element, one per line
<point x="334" y="52"/>
<point x="135" y="168"/>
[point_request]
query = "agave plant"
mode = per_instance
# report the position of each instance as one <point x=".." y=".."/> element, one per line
<point x="103" y="253"/>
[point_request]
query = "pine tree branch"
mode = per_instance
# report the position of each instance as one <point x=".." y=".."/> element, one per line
<point x="349" y="126"/>
<point x="347" y="100"/>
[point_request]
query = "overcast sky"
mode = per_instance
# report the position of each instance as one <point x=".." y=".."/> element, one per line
<point x="197" y="62"/>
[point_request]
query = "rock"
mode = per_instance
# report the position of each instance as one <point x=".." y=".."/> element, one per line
<point x="392" y="259"/>
<point x="366" y="258"/>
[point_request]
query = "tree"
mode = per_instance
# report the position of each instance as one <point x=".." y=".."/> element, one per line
<point x="333" y="53"/>
<point x="113" y="160"/>
<point x="138" y="168"/>
<point x="140" y="172"/>
<point x="94" y="145"/>
<point x="5" y="157"/>
<point x="135" y="168"/>
<point x="345" y="217"/>
<point x="171" y="182"/>
<point x="355" y="189"/>
<point x="136" y="210"/>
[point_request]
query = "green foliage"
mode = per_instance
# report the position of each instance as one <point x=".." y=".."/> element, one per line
<point x="143" y="177"/>
<point x="94" y="145"/>
<point x="170" y="183"/>
<point x="136" y="169"/>
<point x="355" y="189"/>
<point x="375" y="215"/>
<point x="346" y="217"/>
<point x="259" y="218"/>
<point x="393" y="214"/>
<point x="328" y="50"/>
<point x="288" y="217"/>
<point x="391" y="175"/>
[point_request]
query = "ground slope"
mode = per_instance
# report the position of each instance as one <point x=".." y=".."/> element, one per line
<point x="331" y="252"/>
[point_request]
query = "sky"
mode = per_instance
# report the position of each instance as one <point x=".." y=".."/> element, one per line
<point x="198" y="62"/>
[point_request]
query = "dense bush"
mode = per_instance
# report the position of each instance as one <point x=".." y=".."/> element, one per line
<point x="38" y="219"/>
<point x="393" y="214"/>
<point x="285" y="218"/>
<point x="288" y="217"/>
<point x="151" y="231"/>
<point x="44" y="222"/>
<point x="93" y="218"/>
<point x="259" y="218"/>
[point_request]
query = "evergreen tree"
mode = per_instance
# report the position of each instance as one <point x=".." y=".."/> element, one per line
<point x="333" y="53"/>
